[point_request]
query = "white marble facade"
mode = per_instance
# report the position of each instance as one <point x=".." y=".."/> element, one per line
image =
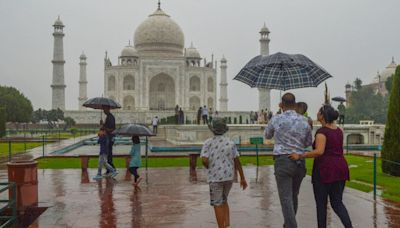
<point x="158" y="73"/>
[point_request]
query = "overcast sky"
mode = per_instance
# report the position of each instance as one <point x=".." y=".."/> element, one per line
<point x="349" y="38"/>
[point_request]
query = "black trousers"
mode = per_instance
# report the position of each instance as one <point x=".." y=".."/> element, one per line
<point x="335" y="192"/>
<point x="133" y="171"/>
<point x="110" y="144"/>
<point x="205" y="119"/>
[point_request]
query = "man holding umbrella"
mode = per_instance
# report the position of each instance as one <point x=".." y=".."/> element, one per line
<point x="292" y="133"/>
<point x="109" y="126"/>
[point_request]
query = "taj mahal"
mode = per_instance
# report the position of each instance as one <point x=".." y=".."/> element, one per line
<point x="154" y="75"/>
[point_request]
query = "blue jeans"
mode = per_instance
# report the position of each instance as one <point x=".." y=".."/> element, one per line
<point x="103" y="163"/>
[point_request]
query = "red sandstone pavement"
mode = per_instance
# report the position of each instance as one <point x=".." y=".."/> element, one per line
<point x="169" y="199"/>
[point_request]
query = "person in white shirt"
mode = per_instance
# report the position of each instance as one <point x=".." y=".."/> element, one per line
<point x="204" y="114"/>
<point x="221" y="159"/>
<point x="154" y="122"/>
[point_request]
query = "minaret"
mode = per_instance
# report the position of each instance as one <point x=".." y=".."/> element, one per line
<point x="223" y="100"/>
<point x="348" y="91"/>
<point x="82" y="82"/>
<point x="264" y="95"/>
<point x="58" y="85"/>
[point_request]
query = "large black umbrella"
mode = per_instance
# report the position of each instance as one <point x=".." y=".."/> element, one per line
<point x="339" y="99"/>
<point x="282" y="72"/>
<point x="136" y="130"/>
<point x="101" y="103"/>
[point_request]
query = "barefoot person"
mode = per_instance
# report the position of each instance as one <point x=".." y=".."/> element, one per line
<point x="135" y="162"/>
<point x="330" y="170"/>
<point x="291" y="132"/>
<point x="221" y="158"/>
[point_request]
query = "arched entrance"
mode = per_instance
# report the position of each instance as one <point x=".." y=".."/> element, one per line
<point x="129" y="103"/>
<point x="194" y="103"/>
<point x="355" y="139"/>
<point x="162" y="93"/>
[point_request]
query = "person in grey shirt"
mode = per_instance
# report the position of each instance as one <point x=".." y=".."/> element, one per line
<point x="291" y="133"/>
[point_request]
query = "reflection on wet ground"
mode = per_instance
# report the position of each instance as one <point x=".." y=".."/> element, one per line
<point x="167" y="198"/>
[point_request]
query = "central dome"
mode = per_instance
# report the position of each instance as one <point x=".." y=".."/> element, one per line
<point x="159" y="34"/>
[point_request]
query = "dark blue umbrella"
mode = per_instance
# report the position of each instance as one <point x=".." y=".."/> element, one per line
<point x="282" y="72"/>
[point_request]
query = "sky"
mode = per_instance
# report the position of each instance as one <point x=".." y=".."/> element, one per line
<point x="349" y="38"/>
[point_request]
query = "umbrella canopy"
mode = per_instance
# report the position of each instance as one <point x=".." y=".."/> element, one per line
<point x="282" y="72"/>
<point x="339" y="99"/>
<point x="134" y="130"/>
<point x="101" y="102"/>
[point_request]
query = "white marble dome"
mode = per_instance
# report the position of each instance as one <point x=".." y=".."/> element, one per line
<point x="160" y="34"/>
<point x="129" y="51"/>
<point x="58" y="22"/>
<point x="192" y="52"/>
<point x="387" y="72"/>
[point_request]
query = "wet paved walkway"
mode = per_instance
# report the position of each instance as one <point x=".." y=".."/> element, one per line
<point x="168" y="199"/>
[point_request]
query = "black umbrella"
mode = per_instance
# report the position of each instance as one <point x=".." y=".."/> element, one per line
<point x="101" y="103"/>
<point x="134" y="130"/>
<point x="339" y="99"/>
<point x="282" y="72"/>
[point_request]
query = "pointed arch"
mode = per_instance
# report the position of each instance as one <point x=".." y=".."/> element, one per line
<point x="210" y="84"/>
<point x="111" y="83"/>
<point x="128" y="103"/>
<point x="129" y="82"/>
<point x="194" y="84"/>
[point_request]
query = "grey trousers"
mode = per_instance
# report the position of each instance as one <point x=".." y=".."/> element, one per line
<point x="289" y="175"/>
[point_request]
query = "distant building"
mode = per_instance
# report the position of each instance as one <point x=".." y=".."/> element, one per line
<point x="378" y="84"/>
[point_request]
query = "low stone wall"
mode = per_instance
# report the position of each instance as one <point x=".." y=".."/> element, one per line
<point x="197" y="134"/>
<point x="125" y="116"/>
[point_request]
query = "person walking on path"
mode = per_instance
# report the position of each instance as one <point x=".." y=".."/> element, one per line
<point x="109" y="126"/>
<point x="221" y="159"/>
<point x="103" y="156"/>
<point x="199" y="112"/>
<point x="342" y="112"/>
<point x="177" y="114"/>
<point x="252" y="117"/>
<point x="154" y="123"/>
<point x="181" y="116"/>
<point x="210" y="115"/>
<point x="261" y="116"/>
<point x="291" y="132"/>
<point x="135" y="162"/>
<point x="204" y="114"/>
<point x="330" y="169"/>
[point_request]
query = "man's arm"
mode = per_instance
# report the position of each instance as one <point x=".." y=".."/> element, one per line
<point x="204" y="154"/>
<point x="269" y="130"/>
<point x="308" y="140"/>
<point x="238" y="167"/>
<point x="205" y="162"/>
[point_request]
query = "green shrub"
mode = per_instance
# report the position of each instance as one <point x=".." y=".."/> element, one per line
<point x="391" y="144"/>
<point x="2" y="122"/>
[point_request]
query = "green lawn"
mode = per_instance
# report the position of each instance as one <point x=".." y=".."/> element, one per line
<point x="16" y="147"/>
<point x="361" y="170"/>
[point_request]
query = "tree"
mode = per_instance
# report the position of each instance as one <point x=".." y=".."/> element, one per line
<point x="388" y="83"/>
<point x="69" y="122"/>
<point x="391" y="144"/>
<point x="358" y="84"/>
<point x="2" y="122"/>
<point x="51" y="116"/>
<point x="18" y="108"/>
<point x="366" y="105"/>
